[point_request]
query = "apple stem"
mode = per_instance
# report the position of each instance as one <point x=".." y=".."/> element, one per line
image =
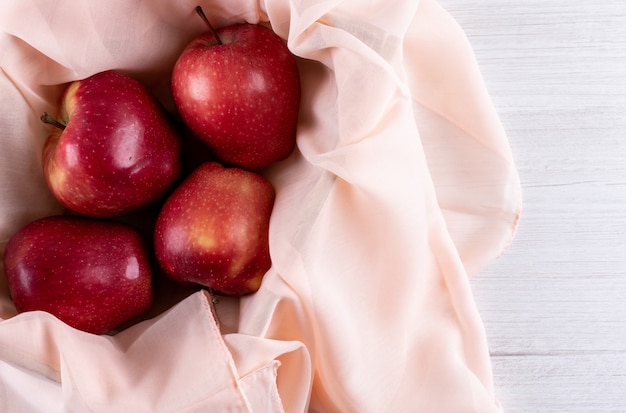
<point x="45" y="118"/>
<point x="214" y="298"/>
<point x="200" y="13"/>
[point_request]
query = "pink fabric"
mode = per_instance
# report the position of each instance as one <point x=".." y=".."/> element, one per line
<point x="402" y="186"/>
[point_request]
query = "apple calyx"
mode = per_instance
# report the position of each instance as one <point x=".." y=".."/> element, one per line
<point x="200" y="13"/>
<point x="45" y="118"/>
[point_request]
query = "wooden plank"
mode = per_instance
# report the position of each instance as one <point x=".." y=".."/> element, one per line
<point x="562" y="383"/>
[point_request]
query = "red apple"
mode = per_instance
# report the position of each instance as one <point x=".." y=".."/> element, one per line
<point x="93" y="275"/>
<point x="113" y="151"/>
<point x="238" y="90"/>
<point x="213" y="230"/>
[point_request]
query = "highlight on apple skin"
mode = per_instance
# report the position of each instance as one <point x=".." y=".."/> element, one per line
<point x="93" y="275"/>
<point x="214" y="228"/>
<point x="112" y="150"/>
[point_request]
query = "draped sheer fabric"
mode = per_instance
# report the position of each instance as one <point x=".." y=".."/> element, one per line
<point x="402" y="186"/>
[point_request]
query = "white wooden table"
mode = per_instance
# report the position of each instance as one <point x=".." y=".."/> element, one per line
<point x="554" y="305"/>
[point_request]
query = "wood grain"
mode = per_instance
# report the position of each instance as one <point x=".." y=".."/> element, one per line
<point x="554" y="305"/>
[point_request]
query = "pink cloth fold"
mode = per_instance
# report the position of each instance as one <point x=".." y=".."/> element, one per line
<point x="401" y="187"/>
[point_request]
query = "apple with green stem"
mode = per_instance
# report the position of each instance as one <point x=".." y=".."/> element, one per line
<point x="113" y="150"/>
<point x="238" y="90"/>
<point x="93" y="275"/>
<point x="213" y="230"/>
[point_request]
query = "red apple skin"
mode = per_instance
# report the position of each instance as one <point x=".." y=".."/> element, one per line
<point x="93" y="275"/>
<point x="213" y="230"/>
<point x="241" y="97"/>
<point x="118" y="152"/>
